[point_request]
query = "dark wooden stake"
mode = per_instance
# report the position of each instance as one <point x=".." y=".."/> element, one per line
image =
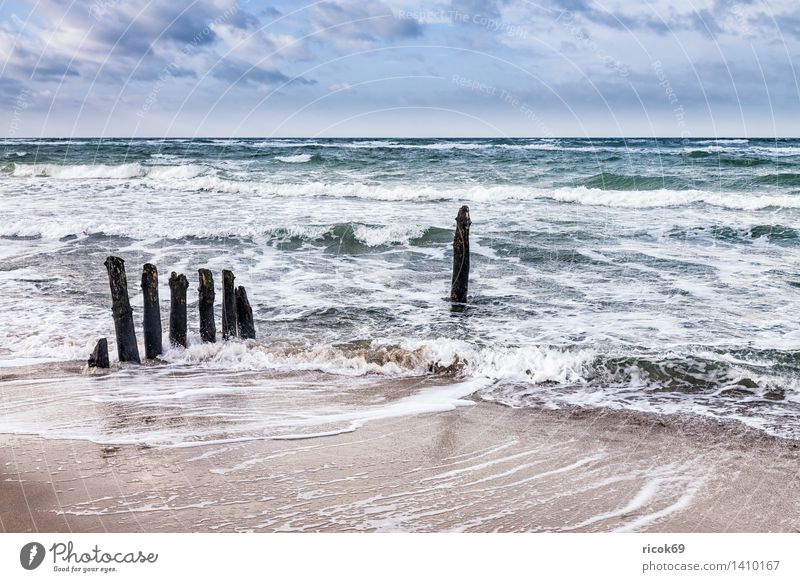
<point x="152" y="313"/>
<point x="208" y="329"/>
<point x="178" y="284"/>
<point x="228" y="306"/>
<point x="127" y="349"/>
<point x="460" y="283"/>
<point x="99" y="357"/>
<point x="244" y="315"/>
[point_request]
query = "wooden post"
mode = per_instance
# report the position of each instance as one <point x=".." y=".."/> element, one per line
<point x="228" y="306"/>
<point x="460" y="282"/>
<point x="127" y="349"/>
<point x="208" y="329"/>
<point x="152" y="313"/>
<point x="99" y="357"/>
<point x="178" y="284"/>
<point x="244" y="315"/>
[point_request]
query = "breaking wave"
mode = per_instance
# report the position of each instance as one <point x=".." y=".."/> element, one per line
<point x="108" y="171"/>
<point x="704" y="373"/>
<point x="609" y="181"/>
<point x="298" y="159"/>
<point x="344" y="236"/>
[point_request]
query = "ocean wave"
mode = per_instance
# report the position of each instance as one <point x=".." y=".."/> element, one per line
<point x="80" y="171"/>
<point x="775" y="233"/>
<point x="630" y="198"/>
<point x="724" y="141"/>
<point x="610" y="181"/>
<point x="777" y="151"/>
<point x="779" y="179"/>
<point x="345" y="237"/>
<point x="667" y="198"/>
<point x="703" y="373"/>
<point x="623" y="191"/>
<point x="745" y="162"/>
<point x="442" y="356"/>
<point x="108" y="171"/>
<point x="353" y="236"/>
<point x="297" y="159"/>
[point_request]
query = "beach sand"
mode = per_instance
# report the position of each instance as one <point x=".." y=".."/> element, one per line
<point x="480" y="468"/>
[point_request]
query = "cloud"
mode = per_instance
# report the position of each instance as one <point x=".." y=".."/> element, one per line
<point x="105" y="55"/>
<point x="83" y="37"/>
<point x="241" y="72"/>
<point x="352" y="25"/>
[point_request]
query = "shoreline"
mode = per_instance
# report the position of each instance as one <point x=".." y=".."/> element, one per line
<point x="479" y="468"/>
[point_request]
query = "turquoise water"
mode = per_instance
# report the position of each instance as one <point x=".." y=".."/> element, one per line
<point x="645" y="274"/>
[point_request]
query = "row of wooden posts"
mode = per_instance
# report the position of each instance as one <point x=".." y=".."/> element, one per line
<point x="237" y="315"/>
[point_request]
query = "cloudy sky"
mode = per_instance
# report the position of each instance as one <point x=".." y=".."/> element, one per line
<point x="399" y="68"/>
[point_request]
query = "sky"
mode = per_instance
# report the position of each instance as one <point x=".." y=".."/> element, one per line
<point x="546" y="68"/>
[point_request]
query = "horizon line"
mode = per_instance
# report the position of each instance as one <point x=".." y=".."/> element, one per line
<point x="9" y="138"/>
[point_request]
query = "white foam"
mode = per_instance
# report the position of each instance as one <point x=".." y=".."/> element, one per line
<point x="80" y="171"/>
<point x="199" y="178"/>
<point x="176" y="172"/>
<point x="428" y="400"/>
<point x="322" y="358"/>
<point x="297" y="159"/>
<point x="667" y="198"/>
<point x="377" y="236"/>
<point x="106" y="171"/>
<point x="680" y="504"/>
<point x="723" y="141"/>
<point x="410" y="358"/>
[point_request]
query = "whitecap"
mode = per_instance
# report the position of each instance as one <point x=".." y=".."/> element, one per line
<point x="297" y="159"/>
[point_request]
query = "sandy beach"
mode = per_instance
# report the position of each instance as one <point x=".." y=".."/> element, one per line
<point x="480" y="468"/>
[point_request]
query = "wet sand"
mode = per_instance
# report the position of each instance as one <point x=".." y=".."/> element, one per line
<point x="480" y="468"/>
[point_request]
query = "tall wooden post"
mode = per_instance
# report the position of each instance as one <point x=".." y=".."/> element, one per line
<point x="178" y="284"/>
<point x="228" y="306"/>
<point x="244" y="312"/>
<point x="127" y="350"/>
<point x="208" y="329"/>
<point x="152" y="313"/>
<point x="460" y="282"/>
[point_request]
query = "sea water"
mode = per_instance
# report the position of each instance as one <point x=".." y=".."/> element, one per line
<point x="658" y="275"/>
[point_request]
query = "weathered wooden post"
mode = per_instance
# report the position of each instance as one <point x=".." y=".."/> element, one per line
<point x="99" y="357"/>
<point x="208" y="329"/>
<point x="460" y="282"/>
<point x="152" y="312"/>
<point x="178" y="284"/>
<point x="244" y="315"/>
<point x="228" y="306"/>
<point x="127" y="349"/>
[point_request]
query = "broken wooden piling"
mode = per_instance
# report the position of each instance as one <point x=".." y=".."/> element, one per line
<point x="228" y="306"/>
<point x="99" y="357"/>
<point x="208" y="329"/>
<point x="244" y="315"/>
<point x="152" y="312"/>
<point x="127" y="349"/>
<point x="178" y="284"/>
<point x="460" y="281"/>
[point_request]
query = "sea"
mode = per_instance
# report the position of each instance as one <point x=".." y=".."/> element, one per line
<point x="651" y="275"/>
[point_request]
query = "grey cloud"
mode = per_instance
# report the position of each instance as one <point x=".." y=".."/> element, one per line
<point x="667" y="22"/>
<point x="116" y="36"/>
<point x="708" y="22"/>
<point x="348" y="24"/>
<point x="488" y="8"/>
<point x="769" y="24"/>
<point x="236" y="71"/>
